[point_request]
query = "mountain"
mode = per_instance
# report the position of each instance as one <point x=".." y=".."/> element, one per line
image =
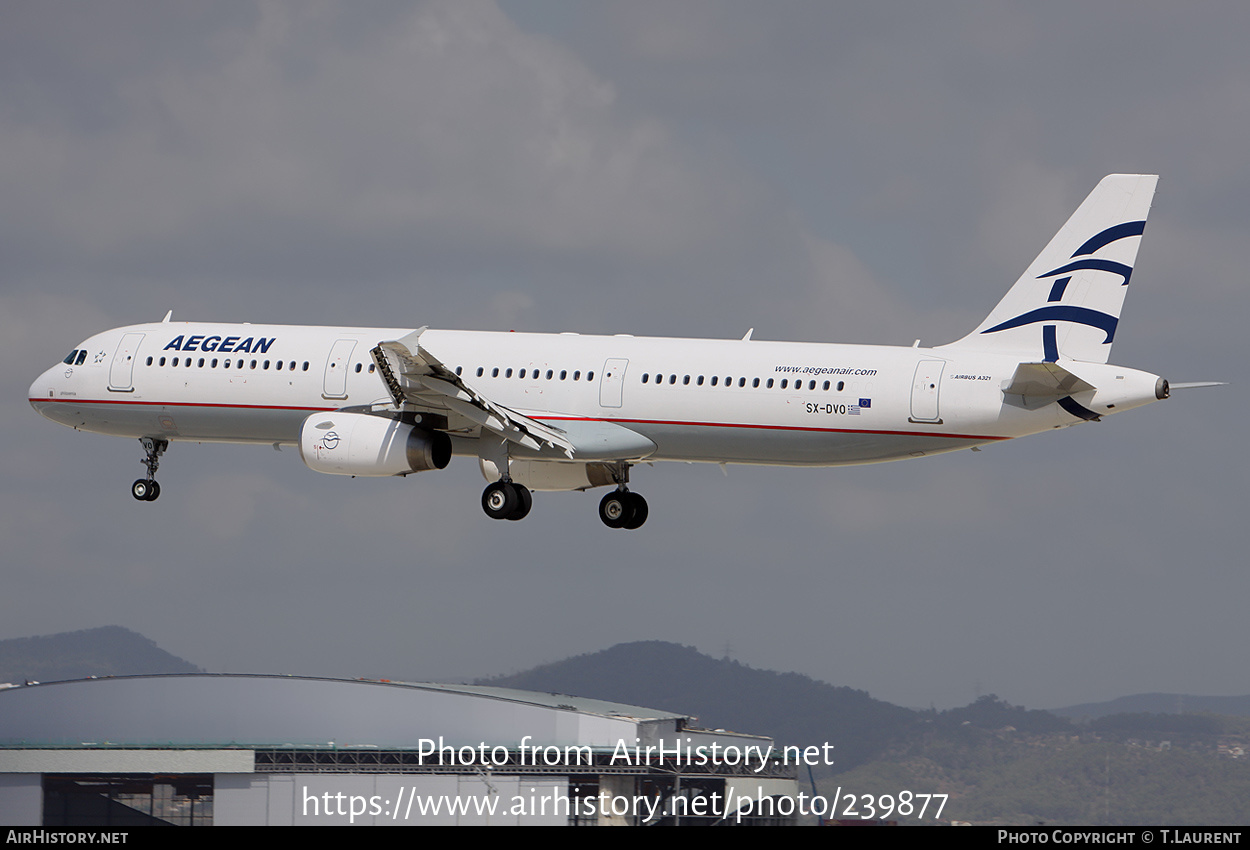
<point x="1158" y="704"/>
<point x="788" y="707"/>
<point x="106" y="651"/>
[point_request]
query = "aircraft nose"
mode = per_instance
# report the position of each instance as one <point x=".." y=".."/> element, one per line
<point x="41" y="391"/>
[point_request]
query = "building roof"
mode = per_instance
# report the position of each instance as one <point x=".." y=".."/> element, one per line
<point x="214" y="710"/>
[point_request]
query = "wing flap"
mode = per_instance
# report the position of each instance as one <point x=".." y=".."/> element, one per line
<point x="417" y="378"/>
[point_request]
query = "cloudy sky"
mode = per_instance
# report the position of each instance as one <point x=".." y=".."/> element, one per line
<point x="685" y="168"/>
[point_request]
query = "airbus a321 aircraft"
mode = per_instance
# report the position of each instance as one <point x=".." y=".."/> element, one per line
<point x="572" y="412"/>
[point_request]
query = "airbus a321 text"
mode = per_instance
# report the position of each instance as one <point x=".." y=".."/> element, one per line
<point x="573" y="412"/>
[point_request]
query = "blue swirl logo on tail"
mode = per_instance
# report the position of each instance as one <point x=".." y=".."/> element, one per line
<point x="1068" y="313"/>
<point x="1063" y="313"/>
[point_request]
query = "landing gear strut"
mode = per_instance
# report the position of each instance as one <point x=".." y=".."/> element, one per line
<point x="505" y="500"/>
<point x="146" y="489"/>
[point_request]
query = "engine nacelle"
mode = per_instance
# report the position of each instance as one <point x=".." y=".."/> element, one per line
<point x="341" y="443"/>
<point x="551" y="475"/>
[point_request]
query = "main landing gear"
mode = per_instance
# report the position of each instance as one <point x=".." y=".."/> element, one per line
<point x="505" y="500"/>
<point x="146" y="489"/>
<point x="623" y="509"/>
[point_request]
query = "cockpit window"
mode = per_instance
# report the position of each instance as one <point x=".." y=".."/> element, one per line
<point x="69" y="358"/>
<point x="82" y="358"/>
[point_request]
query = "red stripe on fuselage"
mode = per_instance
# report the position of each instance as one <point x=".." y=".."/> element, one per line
<point x="85" y="401"/>
<point x="549" y="418"/>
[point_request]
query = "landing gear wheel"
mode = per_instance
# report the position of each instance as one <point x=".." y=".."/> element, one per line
<point x="525" y="501"/>
<point x="142" y="490"/>
<point x="638" y="511"/>
<point x="614" y="510"/>
<point x="154" y="491"/>
<point x="500" y="500"/>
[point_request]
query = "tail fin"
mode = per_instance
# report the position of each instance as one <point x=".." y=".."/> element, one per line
<point x="1067" y="303"/>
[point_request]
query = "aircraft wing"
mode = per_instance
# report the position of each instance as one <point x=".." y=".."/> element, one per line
<point x="417" y="379"/>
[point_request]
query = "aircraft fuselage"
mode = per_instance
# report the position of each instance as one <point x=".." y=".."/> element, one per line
<point x="736" y="401"/>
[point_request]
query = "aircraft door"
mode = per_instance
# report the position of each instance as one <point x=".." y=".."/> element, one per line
<point x="924" y="391"/>
<point x="612" y="382"/>
<point x="336" y="369"/>
<point x="121" y="372"/>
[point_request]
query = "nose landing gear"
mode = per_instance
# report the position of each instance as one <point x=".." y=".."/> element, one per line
<point x="147" y="489"/>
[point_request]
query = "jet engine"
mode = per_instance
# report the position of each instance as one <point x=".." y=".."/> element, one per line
<point x="341" y="443"/>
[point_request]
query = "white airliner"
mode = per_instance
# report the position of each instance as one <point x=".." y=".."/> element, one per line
<point x="572" y="412"/>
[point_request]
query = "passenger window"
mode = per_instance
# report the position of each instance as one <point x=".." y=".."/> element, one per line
<point x="508" y="373"/>
<point x="742" y="382"/>
<point x="590" y="376"/>
<point x="305" y="365"/>
<point x="201" y="364"/>
<point x="149" y="361"/>
<point x="685" y="381"/>
<point x="770" y="383"/>
<point x="494" y="373"/>
<point x="755" y="383"/>
<point x="359" y="366"/>
<point x="459" y="370"/>
<point x="480" y="370"/>
<point x="577" y="375"/>
<point x="714" y="380"/>
<point x="826" y="386"/>
<point x="175" y="361"/>
<point x="644" y="377"/>
<point x="549" y="374"/>
<point x="841" y="385"/>
<point x="161" y="362"/>
<point x="253" y="364"/>
<point x="522" y="375"/>
<point x="783" y="383"/>
<point x="699" y="381"/>
<point x="215" y="363"/>
<point x="563" y="374"/>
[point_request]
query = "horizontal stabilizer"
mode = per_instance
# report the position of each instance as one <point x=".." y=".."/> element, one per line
<point x="1045" y="380"/>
